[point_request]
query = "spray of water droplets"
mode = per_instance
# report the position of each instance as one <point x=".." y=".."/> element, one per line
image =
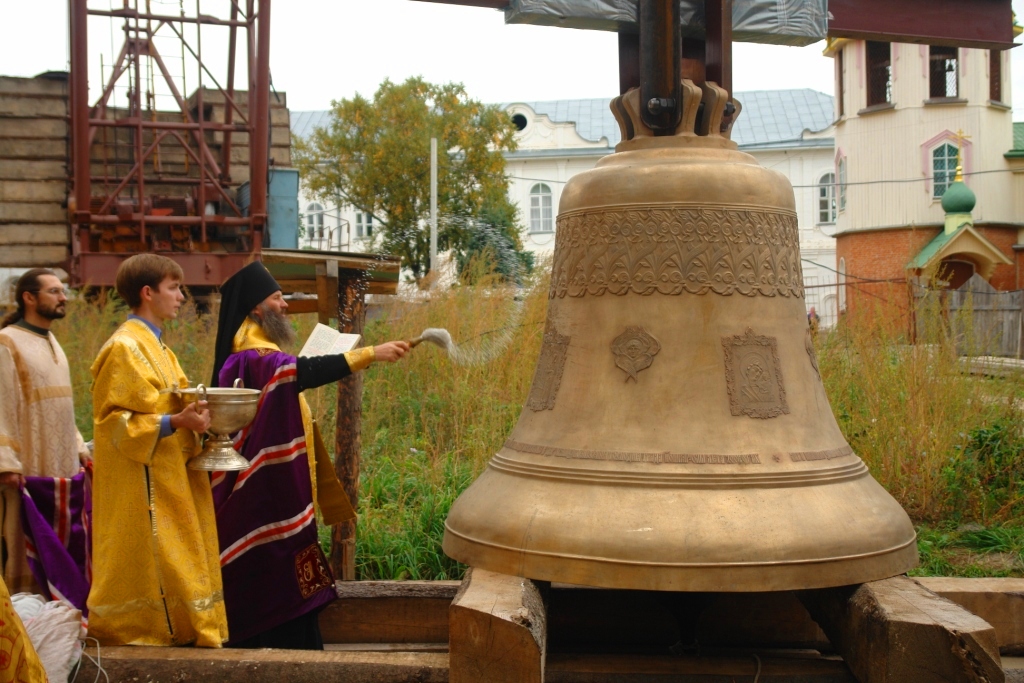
<point x="490" y="346"/>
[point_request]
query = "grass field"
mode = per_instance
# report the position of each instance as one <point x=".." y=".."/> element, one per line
<point x="947" y="445"/>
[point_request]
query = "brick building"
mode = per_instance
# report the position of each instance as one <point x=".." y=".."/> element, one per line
<point x="906" y="117"/>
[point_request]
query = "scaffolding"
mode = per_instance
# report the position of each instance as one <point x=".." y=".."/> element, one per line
<point x="146" y="179"/>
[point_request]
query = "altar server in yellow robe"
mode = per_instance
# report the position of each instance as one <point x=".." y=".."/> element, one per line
<point x="156" y="569"/>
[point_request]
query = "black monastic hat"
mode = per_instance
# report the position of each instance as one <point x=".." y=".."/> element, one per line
<point x="239" y="294"/>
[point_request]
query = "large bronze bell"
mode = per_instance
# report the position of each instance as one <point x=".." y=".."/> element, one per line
<point x="677" y="435"/>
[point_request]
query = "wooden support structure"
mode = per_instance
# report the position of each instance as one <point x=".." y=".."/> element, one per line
<point x="340" y="281"/>
<point x="896" y="630"/>
<point x="351" y="316"/>
<point x="397" y="631"/>
<point x="497" y="630"/>
<point x="1000" y="602"/>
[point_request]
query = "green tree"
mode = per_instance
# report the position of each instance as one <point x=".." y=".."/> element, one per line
<point x="376" y="155"/>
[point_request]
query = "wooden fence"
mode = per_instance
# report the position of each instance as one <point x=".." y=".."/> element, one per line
<point x="985" y="321"/>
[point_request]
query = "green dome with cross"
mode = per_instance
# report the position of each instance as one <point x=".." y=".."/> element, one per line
<point x="958" y="198"/>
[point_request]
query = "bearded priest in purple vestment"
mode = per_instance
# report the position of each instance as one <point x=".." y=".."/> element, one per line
<point x="276" y="578"/>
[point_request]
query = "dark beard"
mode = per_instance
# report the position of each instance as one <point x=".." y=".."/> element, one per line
<point x="276" y="326"/>
<point x="57" y="312"/>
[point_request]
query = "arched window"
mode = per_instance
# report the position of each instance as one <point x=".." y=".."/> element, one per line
<point x="540" y="208"/>
<point x="314" y="221"/>
<point x="842" y="285"/>
<point x="943" y="168"/>
<point x="827" y="199"/>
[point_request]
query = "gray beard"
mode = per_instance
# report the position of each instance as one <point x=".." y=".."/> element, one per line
<point x="276" y="326"/>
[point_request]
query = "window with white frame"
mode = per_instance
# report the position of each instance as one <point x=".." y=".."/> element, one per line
<point x="540" y="208"/>
<point x="364" y="224"/>
<point x="943" y="168"/>
<point x="314" y="221"/>
<point x="827" y="199"/>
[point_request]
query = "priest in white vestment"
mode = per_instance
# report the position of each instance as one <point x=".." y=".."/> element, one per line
<point x="38" y="436"/>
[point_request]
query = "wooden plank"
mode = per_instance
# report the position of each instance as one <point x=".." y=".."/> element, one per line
<point x="33" y="128"/>
<point x="55" y="149"/>
<point x="25" y="212"/>
<point x="56" y="234"/>
<point x="497" y="630"/>
<point x="327" y="291"/>
<point x="296" y="286"/>
<point x="895" y="630"/>
<point x="442" y="590"/>
<point x="188" y="664"/>
<point x="33" y="191"/>
<point x="33" y="107"/>
<point x="346" y="260"/>
<point x="32" y="256"/>
<point x="1000" y="602"/>
<point x="380" y="282"/>
<point x="302" y="305"/>
<point x="988" y="24"/>
<point x="372" y="665"/>
<point x="386" y="620"/>
<point x="32" y="170"/>
<point x="33" y="86"/>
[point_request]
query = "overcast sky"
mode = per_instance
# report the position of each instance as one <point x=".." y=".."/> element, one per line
<point x="329" y="49"/>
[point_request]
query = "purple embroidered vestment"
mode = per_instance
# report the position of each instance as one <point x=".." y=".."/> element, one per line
<point x="272" y="565"/>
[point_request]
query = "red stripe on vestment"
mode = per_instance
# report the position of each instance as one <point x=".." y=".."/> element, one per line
<point x="267" y="533"/>
<point x="272" y="455"/>
<point x="285" y="373"/>
<point x="62" y="510"/>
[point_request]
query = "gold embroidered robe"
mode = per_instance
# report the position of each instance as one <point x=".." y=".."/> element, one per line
<point x="156" y="564"/>
<point x="38" y="436"/>
<point x="19" y="661"/>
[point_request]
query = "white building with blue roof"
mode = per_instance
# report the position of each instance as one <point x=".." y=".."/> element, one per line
<point x="790" y="131"/>
<point x="787" y="130"/>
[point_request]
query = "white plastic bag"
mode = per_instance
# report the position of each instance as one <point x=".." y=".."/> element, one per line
<point x="56" y="632"/>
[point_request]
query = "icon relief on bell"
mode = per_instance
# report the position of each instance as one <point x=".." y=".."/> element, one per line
<point x="548" y="375"/>
<point x="753" y="375"/>
<point x="634" y="351"/>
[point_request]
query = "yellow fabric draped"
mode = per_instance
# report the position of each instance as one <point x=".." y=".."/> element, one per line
<point x="18" y="659"/>
<point x="156" y="562"/>
<point x="333" y="504"/>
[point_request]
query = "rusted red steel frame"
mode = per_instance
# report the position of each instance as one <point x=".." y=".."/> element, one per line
<point x="141" y="162"/>
<point x="214" y="173"/>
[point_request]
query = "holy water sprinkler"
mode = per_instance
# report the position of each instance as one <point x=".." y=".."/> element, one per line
<point x="435" y="335"/>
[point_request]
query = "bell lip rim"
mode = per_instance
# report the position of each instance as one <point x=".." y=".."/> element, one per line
<point x="570" y="557"/>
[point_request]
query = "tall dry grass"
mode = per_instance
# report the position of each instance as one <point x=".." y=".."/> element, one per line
<point x="946" y="444"/>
